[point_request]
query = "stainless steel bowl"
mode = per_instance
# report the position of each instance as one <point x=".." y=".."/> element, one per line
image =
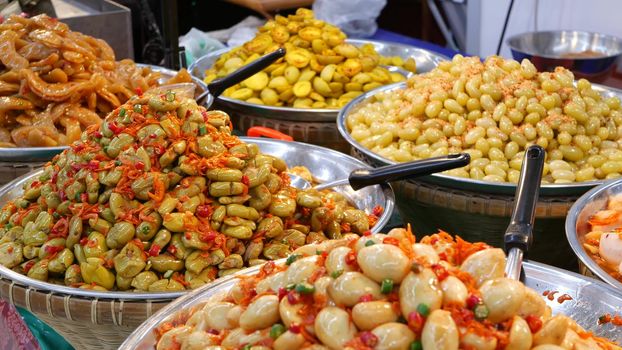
<point x="549" y="49"/>
<point x="590" y="300"/>
<point x="577" y="226"/>
<point x="324" y="164"/>
<point x="506" y="188"/>
<point x="44" y="154"/>
<point x="426" y="61"/>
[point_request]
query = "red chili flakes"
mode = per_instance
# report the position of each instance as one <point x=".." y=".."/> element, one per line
<point x="615" y="320"/>
<point x="138" y="91"/>
<point x="563" y="297"/>
<point x="472" y="301"/>
<point x="294" y="328"/>
<point x="351" y="258"/>
<point x="366" y="298"/>
<point x="154" y="250"/>
<point x="115" y="128"/>
<point x="204" y="211"/>
<point x="378" y="210"/>
<point x="416" y="322"/>
<point x="551" y="295"/>
<point x="282" y="293"/>
<point x="29" y="266"/>
<point x="367" y="233"/>
<point x="171" y="249"/>
<point x="534" y="322"/>
<point x="391" y="240"/>
<point x="246" y="180"/>
<point x="208" y="236"/>
<point x="369" y="339"/>
<point x="440" y="272"/>
<point x="140" y="165"/>
<point x="84" y="241"/>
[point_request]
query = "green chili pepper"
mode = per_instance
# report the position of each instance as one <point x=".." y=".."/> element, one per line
<point x="304" y="288"/>
<point x="276" y="330"/>
<point x="122" y="112"/>
<point x="336" y="273"/>
<point x="387" y="286"/>
<point x="247" y="347"/>
<point x="370" y="242"/>
<point x="292" y="258"/>
<point x="423" y="310"/>
<point x="416" y="345"/>
<point x="138" y="108"/>
<point x="202" y="130"/>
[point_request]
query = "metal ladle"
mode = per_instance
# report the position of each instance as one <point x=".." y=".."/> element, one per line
<point x="519" y="234"/>
<point x="361" y="178"/>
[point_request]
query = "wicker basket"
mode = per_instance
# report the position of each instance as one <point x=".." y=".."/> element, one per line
<point x="85" y="323"/>
<point x="323" y="134"/>
<point x="478" y="217"/>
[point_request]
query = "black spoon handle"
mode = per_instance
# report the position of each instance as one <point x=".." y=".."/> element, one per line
<point x="519" y="232"/>
<point x="216" y="87"/>
<point x="366" y="177"/>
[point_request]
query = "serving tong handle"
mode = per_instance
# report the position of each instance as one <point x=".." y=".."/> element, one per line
<point x="366" y="177"/>
<point x="519" y="234"/>
<point x="216" y="87"/>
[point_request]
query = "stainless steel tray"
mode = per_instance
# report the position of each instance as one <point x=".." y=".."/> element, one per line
<point x="325" y="164"/>
<point x="591" y="299"/>
<point x="572" y="189"/>
<point x="426" y="61"/>
<point x="577" y="226"/>
<point x="43" y="154"/>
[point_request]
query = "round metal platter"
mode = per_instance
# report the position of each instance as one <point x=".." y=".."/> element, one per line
<point x="591" y="299"/>
<point x="507" y="188"/>
<point x="577" y="226"/>
<point x="426" y="61"/>
<point x="43" y="154"/>
<point x="325" y="165"/>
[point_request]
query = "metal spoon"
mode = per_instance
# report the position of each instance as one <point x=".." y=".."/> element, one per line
<point x="215" y="88"/>
<point x="518" y="236"/>
<point x="361" y="178"/>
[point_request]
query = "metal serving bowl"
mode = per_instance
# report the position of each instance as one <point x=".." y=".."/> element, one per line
<point x="479" y="210"/>
<point x="44" y="154"/>
<point x="324" y="164"/>
<point x="582" y="52"/>
<point x="426" y="61"/>
<point x="577" y="226"/>
<point x="590" y="300"/>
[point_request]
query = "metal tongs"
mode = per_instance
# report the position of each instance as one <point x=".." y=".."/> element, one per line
<point x="519" y="234"/>
<point x="215" y="88"/>
<point x="361" y="178"/>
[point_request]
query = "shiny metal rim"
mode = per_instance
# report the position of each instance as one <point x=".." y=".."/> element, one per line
<point x="573" y="236"/>
<point x="509" y="41"/>
<point x="546" y="189"/>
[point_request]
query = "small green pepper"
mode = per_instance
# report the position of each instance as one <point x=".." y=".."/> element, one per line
<point x="423" y="310"/>
<point x="290" y="259"/>
<point x="416" y="345"/>
<point x="304" y="288"/>
<point x="369" y="243"/>
<point x="276" y="330"/>
<point x="336" y="273"/>
<point x="387" y="286"/>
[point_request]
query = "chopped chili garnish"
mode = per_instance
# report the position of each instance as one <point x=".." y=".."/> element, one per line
<point x="154" y="250"/>
<point x="534" y="322"/>
<point x="563" y="297"/>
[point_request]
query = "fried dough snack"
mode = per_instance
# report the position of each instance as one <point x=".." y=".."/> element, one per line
<point x="161" y="197"/>
<point x="55" y="82"/>
<point x="379" y="292"/>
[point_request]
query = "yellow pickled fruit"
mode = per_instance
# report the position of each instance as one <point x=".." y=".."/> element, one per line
<point x="233" y="63"/>
<point x="321" y="86"/>
<point x="397" y="77"/>
<point x="259" y="44"/>
<point x="304" y="12"/>
<point x="316" y="97"/>
<point x="329" y="59"/>
<point x="302" y="89"/>
<point x="347" y="50"/>
<point x="369" y="62"/>
<point x="310" y="33"/>
<point x="257" y="81"/>
<point x="242" y="94"/>
<point x="269" y="96"/>
<point x="298" y="58"/>
<point x="318" y="46"/>
<point x="313" y="64"/>
<point x="302" y="103"/>
<point x="292" y="74"/>
<point x="397" y="61"/>
<point x="293" y="27"/>
<point x="280" y="34"/>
